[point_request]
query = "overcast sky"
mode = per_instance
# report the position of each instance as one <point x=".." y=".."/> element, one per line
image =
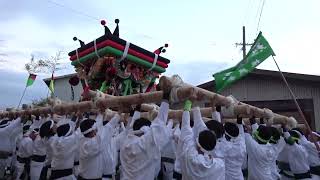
<point x="201" y="34"/>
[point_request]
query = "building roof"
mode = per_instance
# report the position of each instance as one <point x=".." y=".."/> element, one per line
<point x="46" y="80"/>
<point x="276" y="74"/>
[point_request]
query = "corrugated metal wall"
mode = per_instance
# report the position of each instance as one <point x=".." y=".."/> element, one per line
<point x="266" y="89"/>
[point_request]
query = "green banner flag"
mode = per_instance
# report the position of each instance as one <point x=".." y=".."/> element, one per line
<point x="31" y="79"/>
<point x="259" y="52"/>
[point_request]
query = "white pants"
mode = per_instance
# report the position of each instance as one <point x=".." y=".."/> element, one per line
<point x="3" y="164"/>
<point x="315" y="177"/>
<point x="167" y="170"/>
<point x="19" y="170"/>
<point x="76" y="170"/>
<point x="35" y="170"/>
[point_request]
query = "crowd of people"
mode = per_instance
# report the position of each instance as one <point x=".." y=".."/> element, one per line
<point x="88" y="146"/>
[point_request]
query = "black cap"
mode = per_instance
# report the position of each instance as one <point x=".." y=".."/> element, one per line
<point x="231" y="129"/>
<point x="86" y="124"/>
<point x="140" y="123"/>
<point x="207" y="140"/>
<point x="216" y="127"/>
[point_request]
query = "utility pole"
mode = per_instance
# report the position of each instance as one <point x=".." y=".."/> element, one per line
<point x="243" y="44"/>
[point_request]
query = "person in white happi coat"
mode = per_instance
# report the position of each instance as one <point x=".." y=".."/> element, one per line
<point x="63" y="151"/>
<point x="260" y="152"/>
<point x="24" y="153"/>
<point x="38" y="159"/>
<point x="77" y="132"/>
<point x="197" y="163"/>
<point x="7" y="130"/>
<point x="168" y="153"/>
<point x="283" y="162"/>
<point x="16" y="134"/>
<point x="90" y="157"/>
<point x="140" y="152"/>
<point x="47" y="132"/>
<point x="231" y="144"/>
<point x="314" y="154"/>
<point x="110" y="138"/>
<point x="234" y="149"/>
<point x="216" y="126"/>
<point x="178" y="147"/>
<point x="278" y="143"/>
<point x="298" y="156"/>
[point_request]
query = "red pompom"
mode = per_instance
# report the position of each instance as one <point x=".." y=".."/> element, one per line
<point x="103" y="22"/>
<point x="112" y="71"/>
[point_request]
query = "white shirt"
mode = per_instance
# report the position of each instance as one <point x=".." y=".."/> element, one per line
<point x="298" y="159"/>
<point x="277" y="149"/>
<point x="234" y="155"/>
<point x="6" y="134"/>
<point x="179" y="150"/>
<point x="48" y="143"/>
<point x="37" y="123"/>
<point x="169" y="149"/>
<point x="313" y="156"/>
<point x="90" y="158"/>
<point x="39" y="146"/>
<point x="25" y="147"/>
<point x="195" y="166"/>
<point x="260" y="159"/>
<point x="109" y="148"/>
<point x="139" y="154"/>
<point x="63" y="152"/>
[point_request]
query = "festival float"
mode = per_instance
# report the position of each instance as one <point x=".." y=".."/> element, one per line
<point x="115" y="66"/>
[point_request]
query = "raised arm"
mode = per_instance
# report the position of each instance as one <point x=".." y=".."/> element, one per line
<point x="13" y="125"/>
<point x="216" y="115"/>
<point x="90" y="148"/>
<point x="109" y="128"/>
<point x="162" y="116"/>
<point x="199" y="125"/>
<point x="254" y="124"/>
<point x="186" y="130"/>
<point x="99" y="123"/>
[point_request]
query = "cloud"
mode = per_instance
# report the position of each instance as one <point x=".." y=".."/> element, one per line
<point x="197" y="72"/>
<point x="13" y="84"/>
<point x="296" y="51"/>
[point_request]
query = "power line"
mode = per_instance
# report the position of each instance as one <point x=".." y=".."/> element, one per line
<point x="74" y="10"/>
<point x="245" y="17"/>
<point x="79" y="12"/>
<point x="260" y="15"/>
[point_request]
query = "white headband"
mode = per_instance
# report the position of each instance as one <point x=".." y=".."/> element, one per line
<point x="94" y="127"/>
<point x="201" y="148"/>
<point x="229" y="134"/>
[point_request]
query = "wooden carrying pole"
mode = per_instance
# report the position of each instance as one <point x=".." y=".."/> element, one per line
<point x="184" y="92"/>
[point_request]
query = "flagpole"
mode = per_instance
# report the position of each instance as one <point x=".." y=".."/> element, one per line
<point x="24" y="91"/>
<point x="295" y="101"/>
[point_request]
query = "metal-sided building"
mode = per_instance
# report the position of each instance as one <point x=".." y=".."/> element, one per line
<point x="263" y="88"/>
